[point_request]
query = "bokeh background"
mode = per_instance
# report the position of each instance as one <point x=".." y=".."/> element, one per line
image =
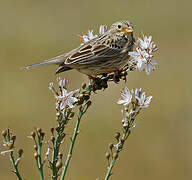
<point x="161" y="145"/>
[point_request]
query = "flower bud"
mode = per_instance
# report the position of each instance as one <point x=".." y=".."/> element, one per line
<point x="42" y="135"/>
<point x="57" y="129"/>
<point x="36" y="155"/>
<point x="89" y="103"/>
<point x="10" y="145"/>
<point x="39" y="130"/>
<point x="126" y="109"/>
<point x="52" y="130"/>
<point x="107" y="155"/>
<point x="13" y="138"/>
<point x="35" y="147"/>
<point x="4" y="133"/>
<point x="71" y="115"/>
<point x="33" y="134"/>
<point x="63" y="135"/>
<point x="59" y="164"/>
<point x="83" y="85"/>
<point x="60" y="155"/>
<point x="111" y="146"/>
<point x="52" y="139"/>
<point x="117" y="135"/>
<point x="20" y="152"/>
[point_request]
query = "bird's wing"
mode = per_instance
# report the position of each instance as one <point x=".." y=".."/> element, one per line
<point x="97" y="49"/>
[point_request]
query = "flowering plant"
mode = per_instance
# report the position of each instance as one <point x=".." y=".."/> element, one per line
<point x="133" y="102"/>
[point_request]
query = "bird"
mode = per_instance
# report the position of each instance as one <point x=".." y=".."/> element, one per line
<point x="103" y="54"/>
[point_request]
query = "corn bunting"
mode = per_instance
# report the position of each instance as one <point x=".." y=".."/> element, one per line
<point x="105" y="53"/>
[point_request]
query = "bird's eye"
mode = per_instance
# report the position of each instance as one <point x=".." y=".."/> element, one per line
<point x="119" y="26"/>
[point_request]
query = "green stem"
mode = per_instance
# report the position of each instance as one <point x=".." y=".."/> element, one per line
<point x="72" y="143"/>
<point x="57" y="143"/>
<point x="40" y="165"/>
<point x="111" y="166"/>
<point x="16" y="171"/>
<point x="54" y="156"/>
<point x="120" y="147"/>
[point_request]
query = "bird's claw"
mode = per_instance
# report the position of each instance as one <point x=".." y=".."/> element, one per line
<point x="99" y="83"/>
<point x="116" y="76"/>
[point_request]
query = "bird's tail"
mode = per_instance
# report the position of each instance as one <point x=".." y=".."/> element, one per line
<point x="56" y="60"/>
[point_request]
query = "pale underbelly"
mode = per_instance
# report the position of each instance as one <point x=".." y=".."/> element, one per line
<point x="107" y="67"/>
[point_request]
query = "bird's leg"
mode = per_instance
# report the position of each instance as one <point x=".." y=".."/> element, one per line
<point x="95" y="82"/>
<point x="92" y="78"/>
<point x="116" y="76"/>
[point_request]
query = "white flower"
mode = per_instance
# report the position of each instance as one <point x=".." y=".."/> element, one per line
<point x="138" y="92"/>
<point x="147" y="44"/>
<point x="66" y="99"/>
<point x="52" y="88"/>
<point x="103" y="29"/>
<point x="142" y="57"/>
<point x="63" y="83"/>
<point x="150" y="65"/>
<point x="143" y="60"/>
<point x="126" y="97"/>
<point x="143" y="101"/>
<point x="89" y="36"/>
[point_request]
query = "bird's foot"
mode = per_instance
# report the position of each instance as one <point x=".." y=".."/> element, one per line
<point x="116" y="76"/>
<point x="95" y="83"/>
<point x="98" y="83"/>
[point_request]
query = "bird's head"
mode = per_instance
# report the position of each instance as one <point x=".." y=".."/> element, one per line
<point x="122" y="27"/>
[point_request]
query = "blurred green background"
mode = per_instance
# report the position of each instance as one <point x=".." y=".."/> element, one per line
<point x="161" y="145"/>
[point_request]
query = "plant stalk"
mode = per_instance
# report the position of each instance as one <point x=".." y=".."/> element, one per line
<point x="81" y="110"/>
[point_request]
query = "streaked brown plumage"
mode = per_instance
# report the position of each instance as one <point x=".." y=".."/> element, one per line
<point x="103" y="54"/>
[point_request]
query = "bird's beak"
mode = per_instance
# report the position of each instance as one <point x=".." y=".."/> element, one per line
<point x="129" y="30"/>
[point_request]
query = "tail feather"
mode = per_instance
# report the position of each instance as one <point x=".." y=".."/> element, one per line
<point x="56" y="60"/>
